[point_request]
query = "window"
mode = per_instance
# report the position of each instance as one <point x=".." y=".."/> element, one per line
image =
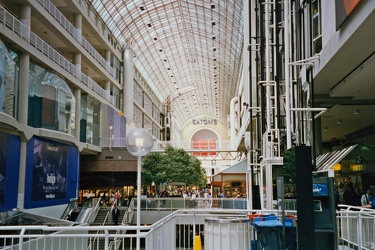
<point x="316" y="27"/>
<point x="51" y="101"/>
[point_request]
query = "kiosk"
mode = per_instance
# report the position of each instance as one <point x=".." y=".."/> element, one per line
<point x="324" y="211"/>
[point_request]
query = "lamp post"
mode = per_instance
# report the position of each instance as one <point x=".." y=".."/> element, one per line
<point x="110" y="138"/>
<point x="139" y="142"/>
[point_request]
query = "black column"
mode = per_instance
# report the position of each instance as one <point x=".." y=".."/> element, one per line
<point x="305" y="211"/>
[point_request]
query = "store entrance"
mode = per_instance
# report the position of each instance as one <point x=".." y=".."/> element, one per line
<point x="126" y="193"/>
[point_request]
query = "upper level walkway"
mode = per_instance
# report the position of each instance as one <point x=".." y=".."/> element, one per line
<point x="179" y="228"/>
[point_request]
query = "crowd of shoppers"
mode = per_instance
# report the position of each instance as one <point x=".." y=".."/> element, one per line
<point x="352" y="195"/>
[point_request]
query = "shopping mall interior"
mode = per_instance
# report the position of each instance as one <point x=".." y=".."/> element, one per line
<point x="240" y="85"/>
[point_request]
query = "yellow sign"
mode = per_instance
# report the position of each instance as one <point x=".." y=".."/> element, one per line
<point x="356" y="167"/>
<point x="336" y="167"/>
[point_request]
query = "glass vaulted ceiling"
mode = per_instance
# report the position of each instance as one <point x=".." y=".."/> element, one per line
<point x="189" y="51"/>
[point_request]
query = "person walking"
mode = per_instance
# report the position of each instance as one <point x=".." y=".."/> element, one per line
<point x="104" y="201"/>
<point x="115" y="214"/>
<point x="366" y="198"/>
<point x="118" y="198"/>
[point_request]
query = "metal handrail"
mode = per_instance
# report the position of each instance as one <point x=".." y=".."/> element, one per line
<point x="23" y="31"/>
<point x="66" y="25"/>
<point x="355" y="228"/>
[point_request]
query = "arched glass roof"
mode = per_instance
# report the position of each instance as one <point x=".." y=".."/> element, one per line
<point x="190" y="51"/>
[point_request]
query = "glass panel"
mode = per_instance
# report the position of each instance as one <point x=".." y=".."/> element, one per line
<point x="147" y="104"/>
<point x="178" y="35"/>
<point x="315" y="19"/>
<point x="116" y="95"/>
<point x="8" y="80"/>
<point x="147" y="124"/>
<point x="90" y="120"/>
<point x="156" y="114"/>
<point x="50" y="101"/>
<point x="137" y="116"/>
<point x="116" y="64"/>
<point x="156" y="131"/>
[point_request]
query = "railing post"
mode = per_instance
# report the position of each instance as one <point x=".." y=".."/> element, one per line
<point x="106" y="239"/>
<point x="359" y="231"/>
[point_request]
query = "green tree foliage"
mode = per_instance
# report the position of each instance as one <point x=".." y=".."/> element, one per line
<point x="173" y="165"/>
<point x="289" y="166"/>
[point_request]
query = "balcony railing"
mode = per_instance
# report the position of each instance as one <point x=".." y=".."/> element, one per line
<point x="76" y="34"/>
<point x="23" y="31"/>
<point x="174" y="203"/>
<point x="177" y="231"/>
<point x="224" y="145"/>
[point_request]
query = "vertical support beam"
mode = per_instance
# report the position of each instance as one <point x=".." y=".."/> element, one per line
<point x="269" y="185"/>
<point x="139" y="185"/>
<point x="25" y="17"/>
<point x="287" y="80"/>
<point x="128" y="84"/>
<point x="24" y="88"/>
<point x="77" y="119"/>
<point x="77" y="22"/>
<point x="77" y="61"/>
<point x="233" y="121"/>
<point x="23" y="118"/>
<point x="268" y="65"/>
<point x="107" y="57"/>
<point x="107" y="84"/>
<point x="305" y="210"/>
<point x="22" y="175"/>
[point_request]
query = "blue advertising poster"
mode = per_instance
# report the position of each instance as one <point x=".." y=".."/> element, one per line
<point x="3" y="165"/>
<point x="49" y="170"/>
<point x="320" y="189"/>
<point x="9" y="170"/>
<point x="52" y="173"/>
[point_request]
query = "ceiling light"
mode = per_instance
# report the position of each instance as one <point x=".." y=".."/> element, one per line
<point x="325" y="129"/>
<point x="338" y="121"/>
<point x="356" y="112"/>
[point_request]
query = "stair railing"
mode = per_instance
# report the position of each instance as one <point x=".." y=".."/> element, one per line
<point x="96" y="239"/>
<point x="126" y="219"/>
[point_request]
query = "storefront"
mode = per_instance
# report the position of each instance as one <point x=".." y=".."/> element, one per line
<point x="114" y="170"/>
<point x="231" y="181"/>
<point x="352" y="164"/>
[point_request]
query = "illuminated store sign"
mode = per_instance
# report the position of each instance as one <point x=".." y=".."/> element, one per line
<point x="205" y="122"/>
<point x="356" y="167"/>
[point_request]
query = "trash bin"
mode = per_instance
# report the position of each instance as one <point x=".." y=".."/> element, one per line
<point x="269" y="234"/>
<point x="227" y="233"/>
<point x="290" y="234"/>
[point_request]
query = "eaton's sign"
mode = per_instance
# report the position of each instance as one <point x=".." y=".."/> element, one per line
<point x="204" y="122"/>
